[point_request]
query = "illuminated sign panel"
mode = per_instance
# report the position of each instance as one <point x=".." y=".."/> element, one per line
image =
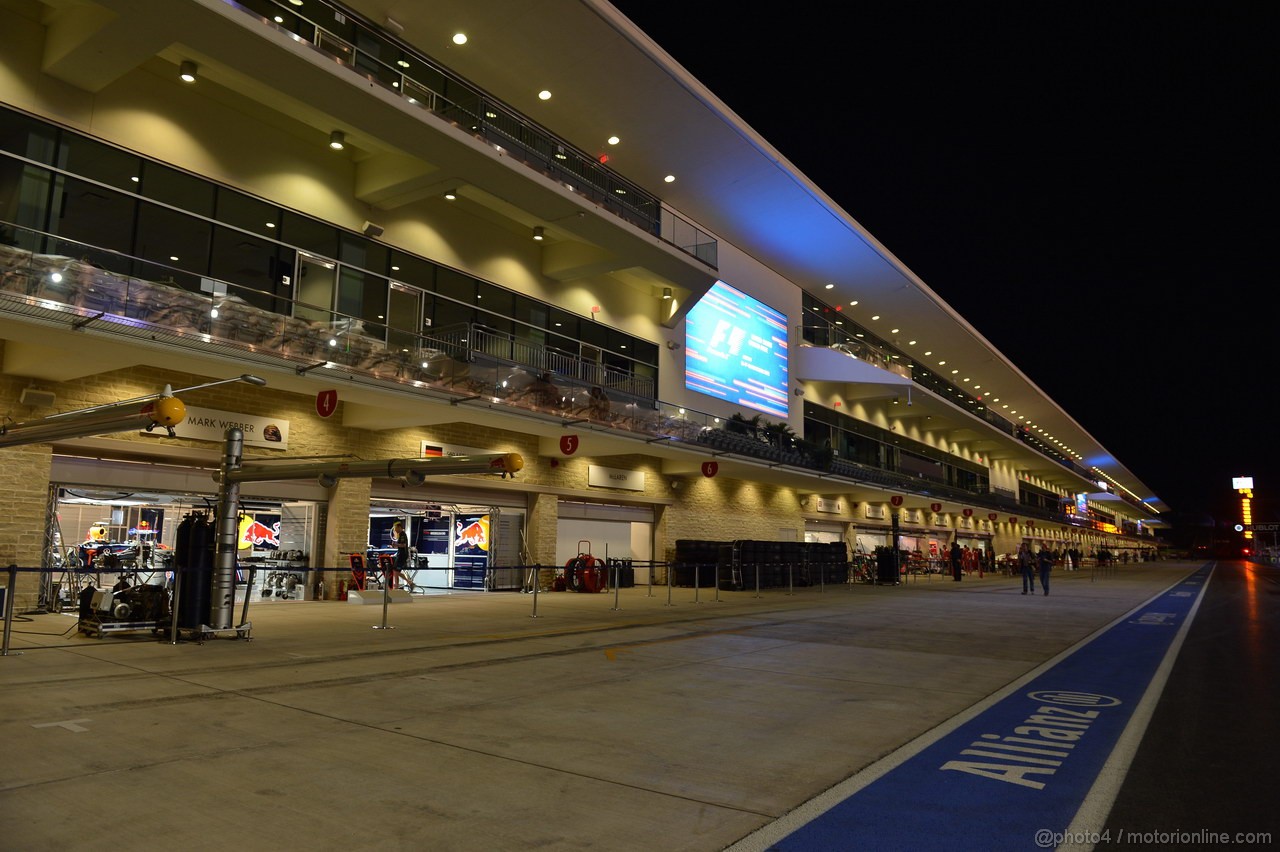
<point x="1239" y="482"/>
<point x="736" y="350"/>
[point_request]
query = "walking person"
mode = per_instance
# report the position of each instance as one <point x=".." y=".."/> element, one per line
<point x="1026" y="564"/>
<point x="1045" y="559"/>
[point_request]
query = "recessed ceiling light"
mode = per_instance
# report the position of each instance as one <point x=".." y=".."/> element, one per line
<point x="544" y="95"/>
<point x="403" y="63"/>
<point x="830" y="286"/>
<point x="669" y="179"/>
<point x="876" y="317"/>
<point x="940" y="363"/>
<point x="458" y="38"/>
<point x="893" y="331"/>
<point x="911" y="343"/>
<point x="854" y="302"/>
<point x="613" y="140"/>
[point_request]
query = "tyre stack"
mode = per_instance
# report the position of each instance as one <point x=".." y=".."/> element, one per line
<point x="696" y="560"/>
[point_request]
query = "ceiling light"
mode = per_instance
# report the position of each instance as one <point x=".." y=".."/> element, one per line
<point x="829" y="287"/>
<point x="854" y="302"/>
<point x="187" y="71"/>
<point x="544" y="95"/>
<point x="459" y="38"/>
<point x="670" y="179"/>
<point x="450" y="195"/>
<point x="337" y="140"/>
<point x="666" y="294"/>
<point x="538" y="232"/>
<point x="876" y="317"/>
<point x="613" y="140"/>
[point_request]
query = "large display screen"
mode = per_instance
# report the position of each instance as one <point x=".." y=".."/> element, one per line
<point x="736" y="350"/>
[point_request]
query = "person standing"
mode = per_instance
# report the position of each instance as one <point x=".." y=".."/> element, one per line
<point x="956" y="557"/>
<point x="1045" y="559"/>
<point x="1026" y="564"/>
<point x="400" y="541"/>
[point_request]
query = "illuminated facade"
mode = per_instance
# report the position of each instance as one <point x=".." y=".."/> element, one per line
<point x="493" y="245"/>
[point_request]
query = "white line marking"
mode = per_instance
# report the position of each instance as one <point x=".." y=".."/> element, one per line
<point x="767" y="836"/>
<point x="72" y="725"/>
<point x="1096" y="807"/>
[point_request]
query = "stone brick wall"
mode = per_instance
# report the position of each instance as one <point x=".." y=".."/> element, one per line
<point x="723" y="509"/>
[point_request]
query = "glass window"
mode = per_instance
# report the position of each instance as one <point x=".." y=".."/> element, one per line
<point x="494" y="300"/>
<point x="454" y="285"/>
<point x="363" y="296"/>
<point x="172" y="240"/>
<point x="27" y="137"/>
<point x="93" y="215"/>
<point x="99" y="162"/>
<point x="246" y="261"/>
<point x="24" y="194"/>
<point x="449" y="313"/>
<point x="403" y="317"/>
<point x="364" y="253"/>
<point x="249" y="214"/>
<point x="176" y="188"/>
<point x="412" y="270"/>
<point x="593" y="334"/>
<point x="310" y="235"/>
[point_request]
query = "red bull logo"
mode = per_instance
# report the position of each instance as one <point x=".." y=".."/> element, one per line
<point x="256" y="534"/>
<point x="474" y="534"/>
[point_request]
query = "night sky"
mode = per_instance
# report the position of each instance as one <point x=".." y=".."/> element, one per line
<point x="1086" y="184"/>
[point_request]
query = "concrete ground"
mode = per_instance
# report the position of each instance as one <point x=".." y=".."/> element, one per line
<point x="473" y="726"/>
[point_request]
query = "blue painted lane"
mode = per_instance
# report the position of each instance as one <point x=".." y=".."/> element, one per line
<point x="1023" y="765"/>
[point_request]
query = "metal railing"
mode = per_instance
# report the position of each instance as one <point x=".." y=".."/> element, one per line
<point x="74" y="285"/>
<point x="477" y="112"/>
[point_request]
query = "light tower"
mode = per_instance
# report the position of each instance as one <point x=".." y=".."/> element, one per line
<point x="1244" y="487"/>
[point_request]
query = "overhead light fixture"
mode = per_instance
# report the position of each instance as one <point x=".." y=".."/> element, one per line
<point x="614" y="140"/>
<point x="337" y="140"/>
<point x="459" y="38"/>
<point x="538" y="233"/>
<point x="544" y="95"/>
<point x="187" y="71"/>
<point x="670" y="179"/>
<point x="666" y="294"/>
<point x="450" y="195"/>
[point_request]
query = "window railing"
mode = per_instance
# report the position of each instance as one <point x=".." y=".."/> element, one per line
<point x="476" y="112"/>
<point x="851" y="339"/>
<point x="69" y="282"/>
